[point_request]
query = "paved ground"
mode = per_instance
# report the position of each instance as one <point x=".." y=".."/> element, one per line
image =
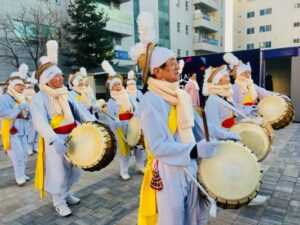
<point x="106" y="199"/>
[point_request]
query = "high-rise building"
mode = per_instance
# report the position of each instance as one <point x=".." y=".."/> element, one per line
<point x="266" y="24"/>
<point x="208" y="25"/>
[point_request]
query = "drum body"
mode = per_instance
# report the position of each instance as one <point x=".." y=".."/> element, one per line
<point x="92" y="146"/>
<point x="276" y="110"/>
<point x="257" y="138"/>
<point x="134" y="134"/>
<point x="232" y="177"/>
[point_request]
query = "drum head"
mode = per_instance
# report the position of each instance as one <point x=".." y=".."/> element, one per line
<point x="232" y="176"/>
<point x="133" y="132"/>
<point x="255" y="137"/>
<point x="87" y="145"/>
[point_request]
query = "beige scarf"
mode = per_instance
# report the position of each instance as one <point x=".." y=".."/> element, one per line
<point x="183" y="103"/>
<point x="29" y="93"/>
<point x="221" y="90"/>
<point x="85" y="98"/>
<point x="132" y="90"/>
<point x="19" y="97"/>
<point x="122" y="99"/>
<point x="246" y="85"/>
<point x="59" y="104"/>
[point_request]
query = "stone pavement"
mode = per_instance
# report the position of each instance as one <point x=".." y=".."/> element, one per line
<point x="106" y="199"/>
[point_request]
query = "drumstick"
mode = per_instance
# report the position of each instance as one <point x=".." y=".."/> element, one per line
<point x="205" y="124"/>
<point x="108" y="115"/>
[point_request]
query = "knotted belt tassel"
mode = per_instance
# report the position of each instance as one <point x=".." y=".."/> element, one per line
<point x="156" y="182"/>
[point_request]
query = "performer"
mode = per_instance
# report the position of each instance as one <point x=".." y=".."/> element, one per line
<point x="32" y="137"/>
<point x="89" y="89"/>
<point x="132" y="89"/>
<point x="245" y="93"/>
<point x="192" y="88"/>
<point x="54" y="111"/>
<point x="219" y="116"/>
<point x="172" y="136"/>
<point x="122" y="107"/>
<point x="14" y="124"/>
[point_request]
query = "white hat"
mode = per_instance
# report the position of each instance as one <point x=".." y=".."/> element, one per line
<point x="113" y="81"/>
<point x="130" y="78"/>
<point x="18" y="77"/>
<point x="160" y="56"/>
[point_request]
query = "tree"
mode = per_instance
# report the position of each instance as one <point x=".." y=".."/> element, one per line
<point x="89" y="43"/>
<point x="23" y="36"/>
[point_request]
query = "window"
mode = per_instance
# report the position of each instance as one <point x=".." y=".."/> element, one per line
<point x="250" y="30"/>
<point x="117" y="41"/>
<point x="250" y="46"/>
<point x="265" y="28"/>
<point x="186" y="5"/>
<point x="297" y="5"/>
<point x="250" y="14"/>
<point x="297" y="24"/>
<point x="265" y="44"/>
<point x="297" y="40"/>
<point x="264" y="12"/>
<point x="115" y="5"/>
<point x="178" y="52"/>
<point x="178" y="27"/>
<point x="186" y="29"/>
<point x="187" y="53"/>
<point x="178" y="3"/>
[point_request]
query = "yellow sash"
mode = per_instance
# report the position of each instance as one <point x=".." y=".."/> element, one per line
<point x="248" y="99"/>
<point x="148" y="209"/>
<point x="78" y="97"/>
<point x="124" y="148"/>
<point x="5" y="132"/>
<point x="39" y="180"/>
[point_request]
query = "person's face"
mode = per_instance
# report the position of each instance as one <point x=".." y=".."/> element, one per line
<point x="117" y="86"/>
<point x="170" y="72"/>
<point x="81" y="84"/>
<point x="57" y="81"/>
<point x="194" y="76"/>
<point x="224" y="80"/>
<point x="19" y="88"/>
<point x="246" y="74"/>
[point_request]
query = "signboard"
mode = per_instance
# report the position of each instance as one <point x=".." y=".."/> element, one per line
<point x="122" y="55"/>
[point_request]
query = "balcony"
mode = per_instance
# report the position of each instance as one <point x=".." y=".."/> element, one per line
<point x="210" y="5"/>
<point x="119" y="22"/>
<point x="206" y="21"/>
<point x="206" y="44"/>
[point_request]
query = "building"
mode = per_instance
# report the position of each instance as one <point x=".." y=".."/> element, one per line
<point x="208" y="25"/>
<point x="266" y="24"/>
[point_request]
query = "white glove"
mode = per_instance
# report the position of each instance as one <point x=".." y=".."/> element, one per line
<point x="24" y="106"/>
<point x="206" y="149"/>
<point x="60" y="146"/>
<point x="233" y="136"/>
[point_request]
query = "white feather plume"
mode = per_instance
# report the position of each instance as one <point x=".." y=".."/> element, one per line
<point x="146" y="27"/>
<point x="23" y="70"/>
<point x="52" y="51"/>
<point x="181" y="65"/>
<point x="208" y="72"/>
<point x="44" y="60"/>
<point x="130" y="75"/>
<point x="136" y="51"/>
<point x="83" y="72"/>
<point x="231" y="59"/>
<point x="108" y="68"/>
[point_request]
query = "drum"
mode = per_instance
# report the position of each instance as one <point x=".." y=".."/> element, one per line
<point x="92" y="146"/>
<point x="134" y="133"/>
<point x="232" y="177"/>
<point x="276" y="110"/>
<point x="257" y="138"/>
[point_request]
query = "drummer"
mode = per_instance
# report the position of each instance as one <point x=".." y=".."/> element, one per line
<point x="217" y="86"/>
<point x="168" y="196"/>
<point x="122" y="107"/>
<point x="246" y="94"/>
<point x="54" y="111"/>
<point x="14" y="112"/>
<point x="132" y="89"/>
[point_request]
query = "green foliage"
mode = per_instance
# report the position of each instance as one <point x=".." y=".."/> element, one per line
<point x="90" y="43"/>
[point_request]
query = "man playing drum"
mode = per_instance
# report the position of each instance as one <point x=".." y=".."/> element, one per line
<point x="121" y="106"/>
<point x="54" y="111"/>
<point x="245" y="93"/>
<point x="220" y="116"/>
<point x="172" y="134"/>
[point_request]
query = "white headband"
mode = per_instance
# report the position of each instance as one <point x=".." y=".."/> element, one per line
<point x="13" y="83"/>
<point x="49" y="73"/>
<point x="76" y="80"/>
<point x="131" y="82"/>
<point x="114" y="81"/>
<point x="219" y="75"/>
<point x="160" y="56"/>
<point x="243" y="68"/>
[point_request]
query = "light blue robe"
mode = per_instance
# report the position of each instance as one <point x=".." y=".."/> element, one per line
<point x="18" y="141"/>
<point x="179" y="202"/>
<point x="60" y="175"/>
